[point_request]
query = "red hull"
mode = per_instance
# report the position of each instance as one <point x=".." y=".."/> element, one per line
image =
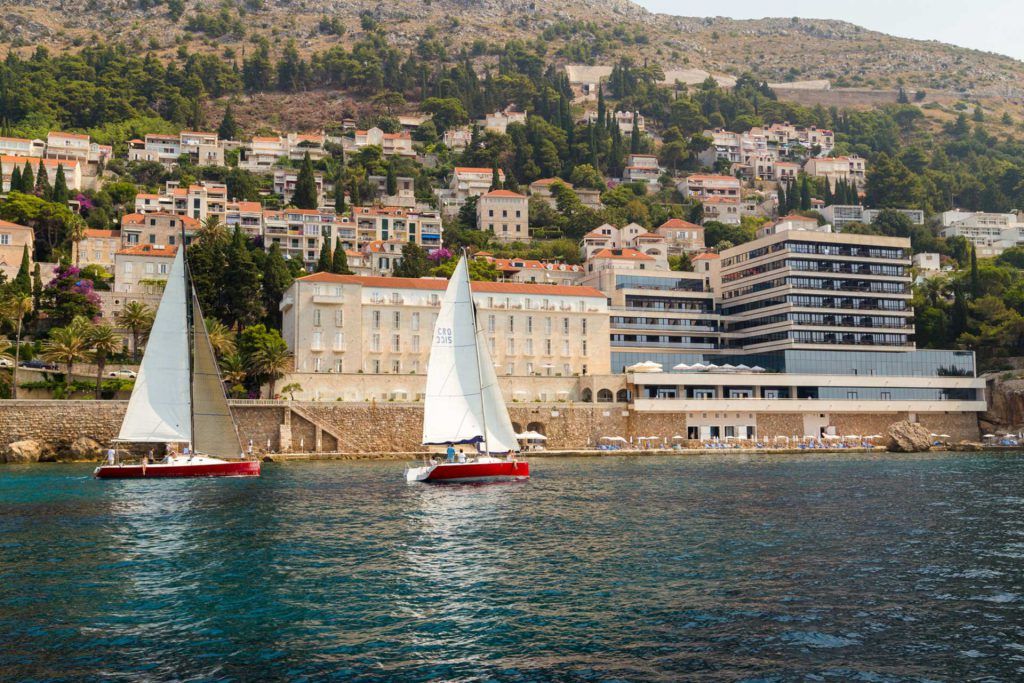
<point x="480" y="471"/>
<point x="242" y="468"/>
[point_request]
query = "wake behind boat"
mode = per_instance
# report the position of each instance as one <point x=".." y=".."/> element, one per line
<point x="463" y="403"/>
<point x="179" y="397"/>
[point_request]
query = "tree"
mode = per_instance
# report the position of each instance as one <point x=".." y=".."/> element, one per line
<point x="229" y="128"/>
<point x="805" y="194"/>
<point x="291" y="388"/>
<point x="323" y="263"/>
<point x="22" y="282"/>
<point x="339" y="194"/>
<point x="306" y="196"/>
<point x="634" y="135"/>
<point x="479" y="270"/>
<point x="891" y="184"/>
<point x="391" y="182"/>
<point x="447" y="112"/>
<point x="276" y="281"/>
<point x="137" y="318"/>
<point x="69" y="296"/>
<point x="28" y="181"/>
<point x="975" y="280"/>
<point x="103" y="341"/>
<point x="60" y="187"/>
<point x="585" y="176"/>
<point x="241" y="278"/>
<point x="270" y="359"/>
<point x="233" y="370"/>
<point x="16" y="180"/>
<point x="76" y="233"/>
<point x="339" y="261"/>
<point x="415" y="262"/>
<point x="221" y="338"/>
<point x="17" y="307"/>
<point x="43" y="188"/>
<point x="67" y="346"/>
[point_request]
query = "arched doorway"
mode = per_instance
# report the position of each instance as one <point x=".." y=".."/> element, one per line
<point x="622" y="396"/>
<point x="517" y="428"/>
<point x="587" y="396"/>
<point x="535" y="427"/>
<point x="604" y="396"/>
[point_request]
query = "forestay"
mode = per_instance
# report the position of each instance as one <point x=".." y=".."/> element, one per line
<point x="214" y="431"/>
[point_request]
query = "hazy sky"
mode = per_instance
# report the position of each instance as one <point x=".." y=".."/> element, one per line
<point x="992" y="25"/>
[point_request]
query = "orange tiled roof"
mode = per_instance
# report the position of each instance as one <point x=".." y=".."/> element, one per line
<point x="34" y="161"/>
<point x="712" y="176"/>
<point x="77" y="136"/>
<point x="705" y="257"/>
<point x="8" y="224"/>
<point x="163" y="251"/>
<point x="94" y="232"/>
<point x="505" y="193"/>
<point x="440" y="285"/>
<point x="544" y="182"/>
<point x="138" y="218"/>
<point x="477" y="169"/>
<point x="624" y="254"/>
<point x="678" y="223"/>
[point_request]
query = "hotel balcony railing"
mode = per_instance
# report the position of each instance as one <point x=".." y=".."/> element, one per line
<point x="662" y="326"/>
<point x="662" y="345"/>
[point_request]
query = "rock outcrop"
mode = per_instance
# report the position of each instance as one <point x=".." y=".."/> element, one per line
<point x="84" y="448"/>
<point x="907" y="437"/>
<point x="27" y="450"/>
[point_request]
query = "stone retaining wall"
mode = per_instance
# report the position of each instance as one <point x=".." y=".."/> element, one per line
<point x="372" y="427"/>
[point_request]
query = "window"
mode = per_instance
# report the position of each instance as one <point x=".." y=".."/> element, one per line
<point x="415" y="322"/>
<point x="152" y="238"/>
<point x="490" y="323"/>
<point x="5" y="240"/>
<point x="128" y="266"/>
<point x="396" y="343"/>
<point x="529" y="368"/>
<point x="566" y="370"/>
<point x="565" y="326"/>
<point x="529" y="320"/>
<point x="510" y="369"/>
<point x="375" y="343"/>
<point x="415" y="366"/>
<point x="163" y="269"/>
<point x="851" y="395"/>
<point x="510" y="346"/>
<point x="565" y="347"/>
<point x="415" y="343"/>
<point x="317" y="341"/>
<point x="491" y="345"/>
<point x="149" y="268"/>
<point x="339" y="365"/>
<point x="583" y="326"/>
<point x="396" y="320"/>
<point x="547" y="347"/>
<point x="316" y="317"/>
<point x="396" y="366"/>
<point x="376" y="320"/>
<point x="583" y="347"/>
<point x="547" y="323"/>
<point x="511" y="324"/>
<point x="529" y="347"/>
<point x="339" y="318"/>
<point x="886" y="395"/>
<point x="339" y="341"/>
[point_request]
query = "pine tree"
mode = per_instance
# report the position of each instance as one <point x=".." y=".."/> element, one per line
<point x="60" y="193"/>
<point x="415" y="262"/>
<point x="305" y="196"/>
<point x="23" y="280"/>
<point x="339" y="262"/>
<point x="323" y="264"/>
<point x="391" y="184"/>
<point x="28" y="181"/>
<point x="495" y="178"/>
<point x="228" y="129"/>
<point x="241" y="284"/>
<point x="15" y="185"/>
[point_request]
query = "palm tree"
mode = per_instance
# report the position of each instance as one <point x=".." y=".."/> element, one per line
<point x="17" y="307"/>
<point x="213" y="230"/>
<point x="221" y="338"/>
<point x="137" y="318"/>
<point x="105" y="341"/>
<point x="67" y="345"/>
<point x="76" y="232"/>
<point x="233" y="369"/>
<point x="271" y="359"/>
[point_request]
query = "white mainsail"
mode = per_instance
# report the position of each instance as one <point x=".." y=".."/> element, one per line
<point x="160" y="407"/>
<point x="461" y="384"/>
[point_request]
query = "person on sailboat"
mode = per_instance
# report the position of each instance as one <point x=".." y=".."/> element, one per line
<point x="462" y="455"/>
<point x="451" y="453"/>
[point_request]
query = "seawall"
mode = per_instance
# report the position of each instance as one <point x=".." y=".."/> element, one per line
<point x="373" y="428"/>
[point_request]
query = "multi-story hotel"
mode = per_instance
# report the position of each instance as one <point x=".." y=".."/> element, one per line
<point x="813" y="289"/>
<point x="385" y="223"/>
<point x="14" y="239"/>
<point x="380" y="325"/>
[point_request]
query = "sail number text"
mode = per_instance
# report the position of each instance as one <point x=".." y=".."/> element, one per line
<point x="443" y="336"/>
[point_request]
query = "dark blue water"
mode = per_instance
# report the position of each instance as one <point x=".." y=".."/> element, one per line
<point x="846" y="567"/>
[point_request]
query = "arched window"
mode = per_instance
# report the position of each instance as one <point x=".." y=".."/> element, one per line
<point x="622" y="396"/>
<point x="604" y="396"/>
<point x="535" y="427"/>
<point x="587" y="396"/>
<point x="517" y="428"/>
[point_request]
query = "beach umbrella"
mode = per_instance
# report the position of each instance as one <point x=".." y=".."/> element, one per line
<point x="681" y="366"/>
<point x="988" y="436"/>
<point x="757" y="368"/>
<point x="742" y="367"/>
<point x="677" y="438"/>
<point x="944" y="436"/>
<point x="645" y="366"/>
<point x="698" y="366"/>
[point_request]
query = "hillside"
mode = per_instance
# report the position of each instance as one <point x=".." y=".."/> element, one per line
<point x="581" y="31"/>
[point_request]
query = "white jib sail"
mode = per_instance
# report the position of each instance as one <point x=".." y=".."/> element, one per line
<point x="452" y="411"/>
<point x="160" y="406"/>
<point x="501" y="437"/>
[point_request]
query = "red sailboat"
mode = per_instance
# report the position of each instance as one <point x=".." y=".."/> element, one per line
<point x="178" y="399"/>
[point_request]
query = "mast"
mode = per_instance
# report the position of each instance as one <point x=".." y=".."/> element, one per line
<point x="476" y="352"/>
<point x="190" y="324"/>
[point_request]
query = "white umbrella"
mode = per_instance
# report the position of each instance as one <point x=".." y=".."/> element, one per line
<point x="710" y="366"/>
<point x="743" y="367"/>
<point x="613" y="438"/>
<point x="988" y="436"/>
<point x="532" y="435"/>
<point x="698" y="366"/>
<point x="677" y="437"/>
<point x="728" y="367"/>
<point x="681" y="366"/>
<point x="645" y="366"/>
<point x="944" y="436"/>
<point x="757" y="368"/>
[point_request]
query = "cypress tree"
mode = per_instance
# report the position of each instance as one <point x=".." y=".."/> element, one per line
<point x="975" y="279"/>
<point x="15" y="180"/>
<point x="495" y="177"/>
<point x="23" y="280"/>
<point x="60" y="193"/>
<point x="958" y="318"/>
<point x="354" y="194"/>
<point x="276" y="279"/>
<point x="634" y="136"/>
<point x="241" y="279"/>
<point x="600" y="102"/>
<point x="323" y="264"/>
<point x="339" y="262"/>
<point x="391" y="184"/>
<point x="305" y="196"/>
<point x="805" y="194"/>
<point x="37" y="286"/>
<point x="28" y="181"/>
<point x="783" y="200"/>
<point x="829" y="200"/>
<point x="228" y="129"/>
<point x="43" y="188"/>
<point x="339" y="195"/>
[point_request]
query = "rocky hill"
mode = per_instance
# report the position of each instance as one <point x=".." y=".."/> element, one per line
<point x="594" y="31"/>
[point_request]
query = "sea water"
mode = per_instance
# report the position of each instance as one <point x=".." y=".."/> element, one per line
<point x="813" y="567"/>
